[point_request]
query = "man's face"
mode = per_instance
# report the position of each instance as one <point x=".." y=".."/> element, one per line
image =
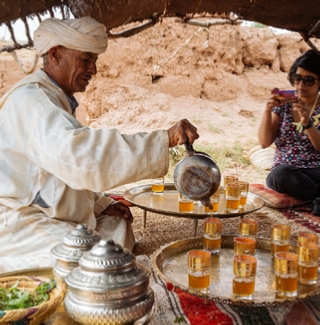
<point x="76" y="69"/>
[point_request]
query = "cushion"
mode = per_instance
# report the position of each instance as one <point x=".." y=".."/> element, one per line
<point x="274" y="199"/>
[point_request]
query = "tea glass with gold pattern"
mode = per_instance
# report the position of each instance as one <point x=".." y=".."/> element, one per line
<point x="280" y="238"/>
<point x="233" y="193"/>
<point x="214" y="200"/>
<point x="286" y="274"/>
<point x="199" y="269"/>
<point x="244" y="194"/>
<point x="244" y="276"/>
<point x="307" y="237"/>
<point x="212" y="235"/>
<point x="248" y="228"/>
<point x="308" y="263"/>
<point x="228" y="180"/>
<point x="157" y="186"/>
<point x="244" y="245"/>
<point x="185" y="204"/>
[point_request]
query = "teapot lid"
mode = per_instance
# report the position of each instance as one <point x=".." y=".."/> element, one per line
<point x="74" y="243"/>
<point x="110" y="269"/>
<point x="105" y="256"/>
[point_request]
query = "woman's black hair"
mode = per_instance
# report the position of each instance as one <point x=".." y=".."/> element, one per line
<point x="309" y="60"/>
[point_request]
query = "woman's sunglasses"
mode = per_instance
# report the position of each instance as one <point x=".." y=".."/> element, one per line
<point x="295" y="79"/>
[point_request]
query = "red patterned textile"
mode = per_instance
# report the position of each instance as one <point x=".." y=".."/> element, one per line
<point x="272" y="198"/>
<point x="195" y="308"/>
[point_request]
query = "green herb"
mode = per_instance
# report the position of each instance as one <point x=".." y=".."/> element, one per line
<point x="179" y="319"/>
<point x="14" y="298"/>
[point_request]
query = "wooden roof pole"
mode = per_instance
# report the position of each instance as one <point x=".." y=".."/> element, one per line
<point x="308" y="41"/>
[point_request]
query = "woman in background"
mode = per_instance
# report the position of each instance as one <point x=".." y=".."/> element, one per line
<point x="295" y="130"/>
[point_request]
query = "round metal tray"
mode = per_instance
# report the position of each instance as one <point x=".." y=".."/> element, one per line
<point x="170" y="262"/>
<point x="60" y="317"/>
<point x="167" y="204"/>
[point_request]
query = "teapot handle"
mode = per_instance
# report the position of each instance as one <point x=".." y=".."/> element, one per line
<point x="189" y="149"/>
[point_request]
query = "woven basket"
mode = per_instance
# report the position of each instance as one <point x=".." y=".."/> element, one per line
<point x="262" y="158"/>
<point x="33" y="315"/>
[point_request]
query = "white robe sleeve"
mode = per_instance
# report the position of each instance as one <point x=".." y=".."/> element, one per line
<point x="85" y="158"/>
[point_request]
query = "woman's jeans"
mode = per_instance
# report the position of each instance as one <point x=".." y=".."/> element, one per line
<point x="300" y="183"/>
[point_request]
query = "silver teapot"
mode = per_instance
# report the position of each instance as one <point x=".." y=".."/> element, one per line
<point x="197" y="176"/>
<point x="66" y="255"/>
<point x="108" y="287"/>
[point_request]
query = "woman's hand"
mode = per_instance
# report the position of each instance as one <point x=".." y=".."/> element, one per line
<point x="120" y="210"/>
<point x="270" y="122"/>
<point x="272" y="101"/>
<point x="303" y="110"/>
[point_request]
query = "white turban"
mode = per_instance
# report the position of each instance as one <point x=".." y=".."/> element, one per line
<point x="83" y="34"/>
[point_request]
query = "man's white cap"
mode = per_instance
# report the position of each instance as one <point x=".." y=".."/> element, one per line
<point x="84" y="34"/>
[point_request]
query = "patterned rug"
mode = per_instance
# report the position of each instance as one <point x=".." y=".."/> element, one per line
<point x="305" y="219"/>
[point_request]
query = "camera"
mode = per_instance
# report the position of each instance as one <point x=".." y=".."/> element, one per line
<point x="286" y="96"/>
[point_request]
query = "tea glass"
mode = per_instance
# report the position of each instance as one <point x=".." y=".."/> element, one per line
<point x="228" y="180"/>
<point x="212" y="235"/>
<point x="199" y="269"/>
<point x="308" y="263"/>
<point x="244" y="275"/>
<point x="280" y="237"/>
<point x="307" y="237"/>
<point x="244" y="245"/>
<point x="214" y="200"/>
<point x="157" y="186"/>
<point x="233" y="192"/>
<point x="286" y="273"/>
<point x="244" y="194"/>
<point x="248" y="228"/>
<point x="157" y="201"/>
<point x="185" y="204"/>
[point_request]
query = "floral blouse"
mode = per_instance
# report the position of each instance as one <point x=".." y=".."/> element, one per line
<point x="293" y="148"/>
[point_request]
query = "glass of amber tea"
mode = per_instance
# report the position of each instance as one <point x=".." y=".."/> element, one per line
<point x="280" y="238"/>
<point x="244" y="275"/>
<point x="286" y="274"/>
<point x="157" y="186"/>
<point x="212" y="235"/>
<point x="185" y="204"/>
<point x="214" y="200"/>
<point x="308" y="263"/>
<point x="307" y="237"/>
<point x="244" y="194"/>
<point x="228" y="180"/>
<point x="244" y="245"/>
<point x="248" y="228"/>
<point x="199" y="269"/>
<point x="233" y="193"/>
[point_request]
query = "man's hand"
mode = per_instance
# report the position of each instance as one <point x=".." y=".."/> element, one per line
<point x="182" y="132"/>
<point x="120" y="210"/>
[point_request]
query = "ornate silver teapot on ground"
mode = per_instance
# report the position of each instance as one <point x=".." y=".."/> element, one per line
<point x="66" y="255"/>
<point x="108" y="287"/>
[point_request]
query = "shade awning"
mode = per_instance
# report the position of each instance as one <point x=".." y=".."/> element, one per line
<point x="294" y="15"/>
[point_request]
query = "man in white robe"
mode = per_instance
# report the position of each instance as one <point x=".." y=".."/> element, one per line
<point x="53" y="170"/>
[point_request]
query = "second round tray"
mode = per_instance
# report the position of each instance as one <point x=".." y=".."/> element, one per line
<point x="170" y="262"/>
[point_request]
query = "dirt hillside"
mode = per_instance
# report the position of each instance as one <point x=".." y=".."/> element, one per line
<point x="219" y="78"/>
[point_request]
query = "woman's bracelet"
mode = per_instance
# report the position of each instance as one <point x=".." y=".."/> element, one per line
<point x="309" y="125"/>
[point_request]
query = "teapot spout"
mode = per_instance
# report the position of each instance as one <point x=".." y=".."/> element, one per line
<point x="207" y="203"/>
